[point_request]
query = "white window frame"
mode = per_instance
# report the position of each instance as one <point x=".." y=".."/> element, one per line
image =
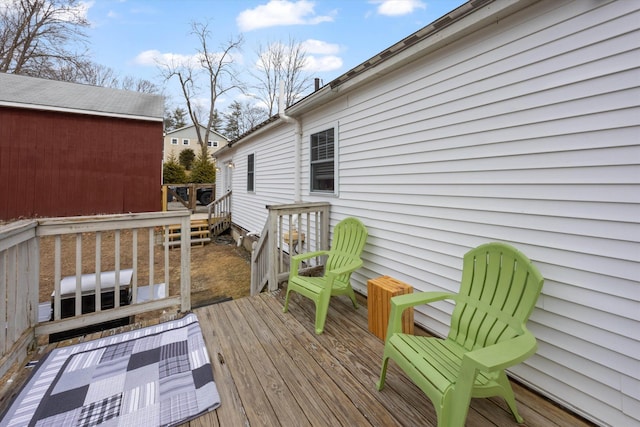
<point x="174" y="141"/>
<point x="185" y="141"/>
<point x="251" y="173"/>
<point x="313" y="191"/>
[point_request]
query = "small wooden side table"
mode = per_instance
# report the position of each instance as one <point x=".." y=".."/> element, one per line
<point x="379" y="292"/>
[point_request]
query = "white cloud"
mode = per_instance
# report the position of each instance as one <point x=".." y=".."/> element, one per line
<point x="398" y="7"/>
<point x="81" y="11"/>
<point x="112" y="14"/>
<point x="321" y="64"/>
<point x="280" y="12"/>
<point x="312" y="46"/>
<point x="154" y="57"/>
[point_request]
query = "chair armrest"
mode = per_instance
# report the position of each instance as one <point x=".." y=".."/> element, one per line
<point x="402" y="302"/>
<point x="308" y="255"/>
<point x="354" y="265"/>
<point x="503" y="354"/>
<point x="296" y="259"/>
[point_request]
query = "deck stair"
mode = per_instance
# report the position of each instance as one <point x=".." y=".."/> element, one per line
<point x="220" y="224"/>
<point x="219" y="215"/>
<point x="199" y="232"/>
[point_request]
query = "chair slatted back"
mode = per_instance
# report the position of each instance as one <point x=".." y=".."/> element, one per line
<point x="498" y="292"/>
<point x="349" y="238"/>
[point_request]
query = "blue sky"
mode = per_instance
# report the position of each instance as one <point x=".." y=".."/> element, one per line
<point x="130" y="35"/>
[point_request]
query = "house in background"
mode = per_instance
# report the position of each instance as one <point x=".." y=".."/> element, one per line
<point x="177" y="140"/>
<point x="70" y="149"/>
<point x="514" y="121"/>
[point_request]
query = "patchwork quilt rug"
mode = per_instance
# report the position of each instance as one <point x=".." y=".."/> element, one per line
<point x="157" y="376"/>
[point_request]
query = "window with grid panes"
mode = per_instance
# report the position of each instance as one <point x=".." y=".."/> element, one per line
<point x="251" y="173"/>
<point x="322" y="161"/>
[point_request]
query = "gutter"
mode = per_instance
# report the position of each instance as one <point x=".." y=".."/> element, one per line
<point x="297" y="174"/>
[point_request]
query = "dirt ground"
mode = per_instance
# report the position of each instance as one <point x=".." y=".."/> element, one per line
<point x="219" y="269"/>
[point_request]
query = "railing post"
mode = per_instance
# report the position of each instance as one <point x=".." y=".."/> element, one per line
<point x="273" y="249"/>
<point x="324" y="218"/>
<point x="34" y="279"/>
<point x="185" y="265"/>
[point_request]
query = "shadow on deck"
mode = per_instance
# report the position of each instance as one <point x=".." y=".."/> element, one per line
<point x="272" y="369"/>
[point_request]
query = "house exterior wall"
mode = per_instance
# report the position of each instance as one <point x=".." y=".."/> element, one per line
<point x="526" y="131"/>
<point x="189" y="133"/>
<point x="62" y="164"/>
<point x="274" y="168"/>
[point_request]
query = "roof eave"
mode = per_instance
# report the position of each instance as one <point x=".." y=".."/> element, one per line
<point x="79" y="111"/>
<point x="460" y="22"/>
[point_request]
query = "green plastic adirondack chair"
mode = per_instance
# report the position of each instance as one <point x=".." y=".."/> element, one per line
<point x="349" y="237"/>
<point x="487" y="334"/>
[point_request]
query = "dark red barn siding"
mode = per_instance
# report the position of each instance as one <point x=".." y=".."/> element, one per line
<point x="65" y="164"/>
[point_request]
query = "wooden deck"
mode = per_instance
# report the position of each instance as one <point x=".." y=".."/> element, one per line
<point x="271" y="369"/>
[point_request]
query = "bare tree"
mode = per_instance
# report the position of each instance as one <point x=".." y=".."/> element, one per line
<point x="277" y="63"/>
<point x="242" y="117"/>
<point x="100" y="75"/>
<point x="37" y="36"/>
<point x="138" y="85"/>
<point x="214" y="69"/>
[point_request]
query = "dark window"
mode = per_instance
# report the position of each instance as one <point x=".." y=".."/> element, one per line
<point x="322" y="161"/>
<point x="251" y="172"/>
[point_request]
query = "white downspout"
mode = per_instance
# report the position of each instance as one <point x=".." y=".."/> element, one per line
<point x="297" y="171"/>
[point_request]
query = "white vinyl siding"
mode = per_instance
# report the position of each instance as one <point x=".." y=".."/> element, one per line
<point x="526" y="131"/>
<point x="274" y="177"/>
<point x="527" y="135"/>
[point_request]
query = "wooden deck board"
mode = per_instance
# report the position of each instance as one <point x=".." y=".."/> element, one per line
<point x="271" y="369"/>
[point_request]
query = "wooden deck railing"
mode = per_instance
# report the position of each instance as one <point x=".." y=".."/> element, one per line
<point x="290" y="229"/>
<point x="219" y="214"/>
<point x="21" y="273"/>
<point x="19" y="270"/>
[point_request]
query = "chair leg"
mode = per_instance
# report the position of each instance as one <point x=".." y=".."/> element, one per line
<point x="509" y="397"/>
<point x="383" y="373"/>
<point x="352" y="295"/>
<point x="322" y="307"/>
<point x="286" y="301"/>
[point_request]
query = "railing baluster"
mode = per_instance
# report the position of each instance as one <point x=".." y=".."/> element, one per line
<point x="78" y="293"/>
<point x="57" y="276"/>
<point x="151" y="272"/>
<point x="116" y="287"/>
<point x="12" y="285"/>
<point x="98" y="291"/>
<point x="134" y="266"/>
<point x="185" y="265"/>
<point x="166" y="263"/>
<point x="5" y="309"/>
